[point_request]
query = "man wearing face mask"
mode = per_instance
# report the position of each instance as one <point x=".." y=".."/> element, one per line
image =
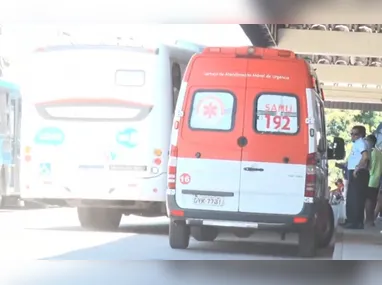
<point x="358" y="166"/>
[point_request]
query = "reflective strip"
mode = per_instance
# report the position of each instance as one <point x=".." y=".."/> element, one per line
<point x="232" y="224"/>
<point x="310" y="100"/>
<point x="229" y="224"/>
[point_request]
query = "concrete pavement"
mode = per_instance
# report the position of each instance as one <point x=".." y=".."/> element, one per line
<point x="54" y="234"/>
<point x="359" y="244"/>
<point x="51" y="235"/>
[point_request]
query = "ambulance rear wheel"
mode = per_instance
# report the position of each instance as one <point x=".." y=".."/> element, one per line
<point x="204" y="233"/>
<point x="307" y="246"/>
<point x="179" y="235"/>
<point x="101" y="219"/>
<point x="325" y="226"/>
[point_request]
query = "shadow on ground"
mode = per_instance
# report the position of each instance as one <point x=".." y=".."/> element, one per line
<point x="144" y="242"/>
<point x="189" y="273"/>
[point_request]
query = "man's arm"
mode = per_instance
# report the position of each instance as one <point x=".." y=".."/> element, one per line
<point x="364" y="160"/>
<point x="362" y="148"/>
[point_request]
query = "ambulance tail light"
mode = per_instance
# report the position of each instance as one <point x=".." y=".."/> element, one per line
<point x="171" y="175"/>
<point x="310" y="178"/>
<point x="214" y="49"/>
<point x="285" y="53"/>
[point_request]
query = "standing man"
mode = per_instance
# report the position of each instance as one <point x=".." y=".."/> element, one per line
<point x="374" y="180"/>
<point x="358" y="166"/>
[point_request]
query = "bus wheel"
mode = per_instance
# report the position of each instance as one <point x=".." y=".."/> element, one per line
<point x="103" y="219"/>
<point x="307" y="241"/>
<point x="325" y="226"/>
<point x="179" y="235"/>
<point x="204" y="233"/>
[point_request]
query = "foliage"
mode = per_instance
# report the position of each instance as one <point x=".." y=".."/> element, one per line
<point x="339" y="124"/>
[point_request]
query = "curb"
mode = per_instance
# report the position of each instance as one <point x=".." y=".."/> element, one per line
<point x="339" y="244"/>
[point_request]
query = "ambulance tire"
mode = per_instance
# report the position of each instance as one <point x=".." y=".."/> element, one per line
<point x="99" y="219"/>
<point x="179" y="235"/>
<point x="307" y="246"/>
<point x="324" y="238"/>
<point x="204" y="233"/>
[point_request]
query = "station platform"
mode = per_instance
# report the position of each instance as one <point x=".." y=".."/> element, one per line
<point x="359" y="244"/>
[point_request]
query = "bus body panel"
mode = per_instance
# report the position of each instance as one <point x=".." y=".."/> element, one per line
<point x="99" y="132"/>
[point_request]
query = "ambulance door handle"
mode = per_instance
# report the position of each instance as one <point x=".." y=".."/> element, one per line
<point x="242" y="141"/>
<point x="253" y="169"/>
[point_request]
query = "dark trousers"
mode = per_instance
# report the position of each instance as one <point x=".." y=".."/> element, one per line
<point x="356" y="197"/>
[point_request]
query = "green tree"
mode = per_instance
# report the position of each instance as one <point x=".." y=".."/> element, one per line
<point x="339" y="124"/>
<point x="370" y="119"/>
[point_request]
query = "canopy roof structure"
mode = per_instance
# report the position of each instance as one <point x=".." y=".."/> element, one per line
<point x="347" y="58"/>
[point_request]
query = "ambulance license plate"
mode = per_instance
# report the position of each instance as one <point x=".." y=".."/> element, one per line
<point x="209" y="200"/>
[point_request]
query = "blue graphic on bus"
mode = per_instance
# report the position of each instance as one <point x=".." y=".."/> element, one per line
<point x="50" y="136"/>
<point x="128" y="138"/>
<point x="6" y="157"/>
<point x="45" y="169"/>
<point x="113" y="156"/>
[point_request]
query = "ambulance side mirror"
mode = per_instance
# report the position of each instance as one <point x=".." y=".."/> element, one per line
<point x="336" y="150"/>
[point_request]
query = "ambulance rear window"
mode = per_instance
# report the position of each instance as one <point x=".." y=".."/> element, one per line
<point x="213" y="111"/>
<point x="276" y="114"/>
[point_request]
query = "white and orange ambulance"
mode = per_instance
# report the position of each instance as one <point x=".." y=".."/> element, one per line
<point x="249" y="149"/>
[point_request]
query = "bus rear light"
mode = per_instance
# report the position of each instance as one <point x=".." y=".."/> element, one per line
<point x="158" y="161"/>
<point x="158" y="152"/>
<point x="27" y="158"/>
<point x="27" y="150"/>
<point x="154" y="170"/>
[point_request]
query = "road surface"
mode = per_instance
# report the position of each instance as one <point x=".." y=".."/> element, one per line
<point x="55" y="235"/>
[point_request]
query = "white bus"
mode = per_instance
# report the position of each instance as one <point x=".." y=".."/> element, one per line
<point x="95" y="130"/>
<point x="10" y="116"/>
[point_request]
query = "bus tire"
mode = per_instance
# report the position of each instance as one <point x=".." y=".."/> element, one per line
<point x="204" y="233"/>
<point x="101" y="219"/>
<point x="307" y="246"/>
<point x="326" y="232"/>
<point x="179" y="235"/>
